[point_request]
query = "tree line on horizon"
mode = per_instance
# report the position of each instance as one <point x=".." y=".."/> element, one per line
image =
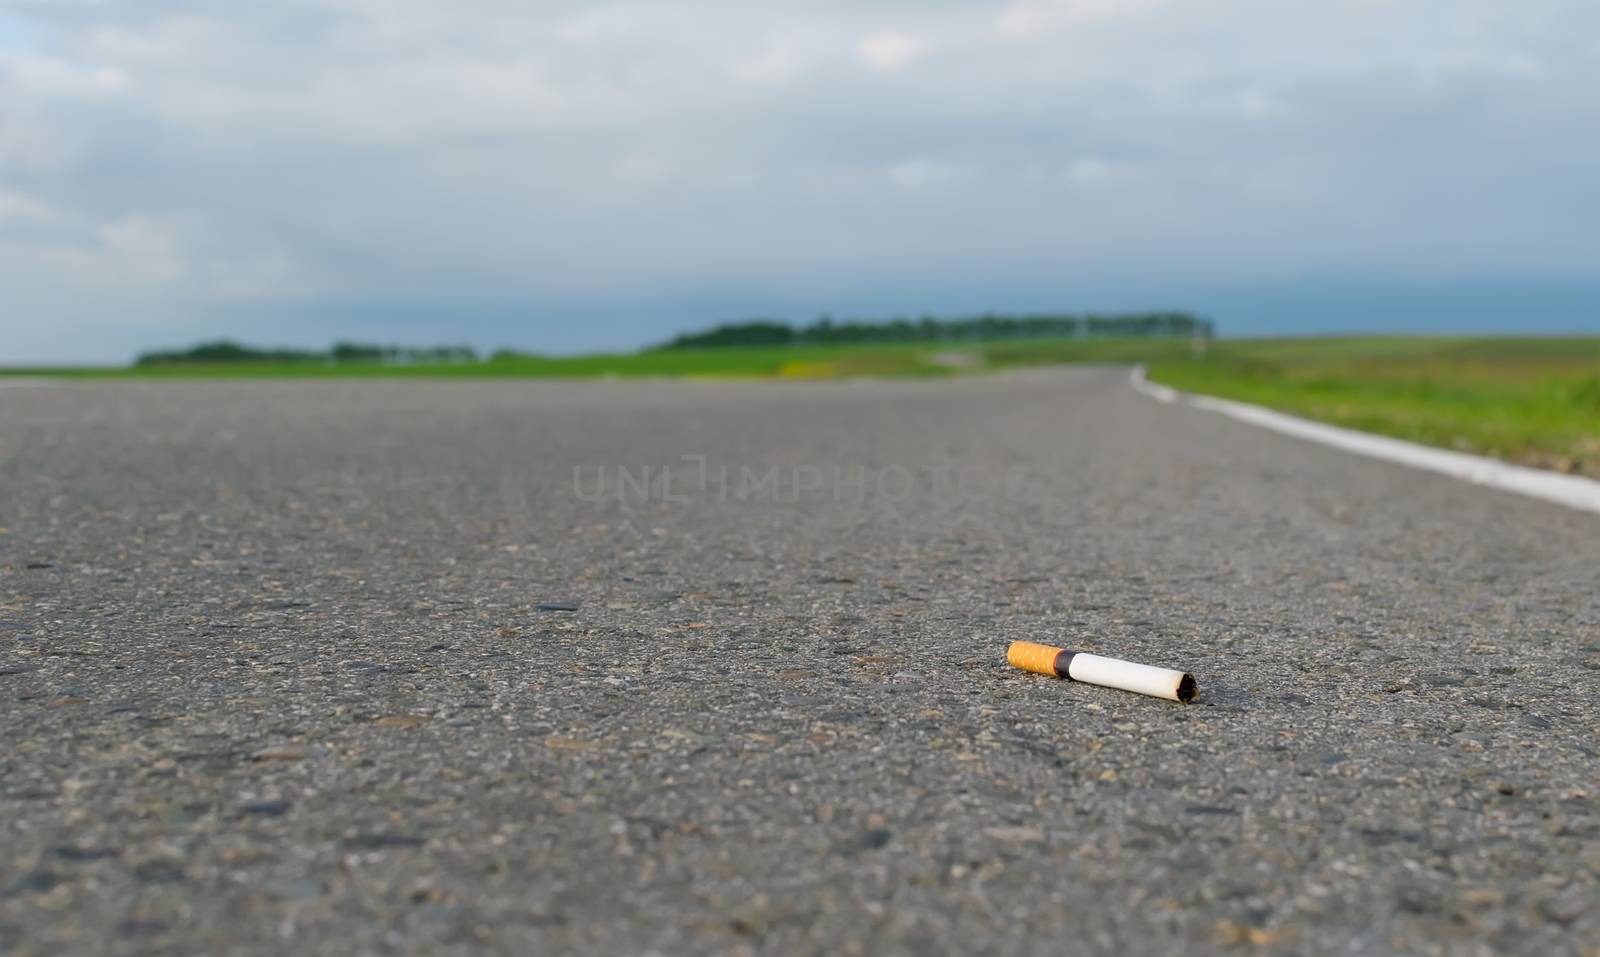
<point x="225" y="351"/>
<point x="752" y="332"/>
<point x="986" y="327"/>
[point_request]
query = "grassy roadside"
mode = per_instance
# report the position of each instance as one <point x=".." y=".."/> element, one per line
<point x="1531" y="401"/>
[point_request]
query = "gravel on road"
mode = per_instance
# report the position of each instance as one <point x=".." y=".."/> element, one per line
<point x="689" y="667"/>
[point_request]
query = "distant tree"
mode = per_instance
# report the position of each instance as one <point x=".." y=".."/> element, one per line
<point x="226" y="351"/>
<point x="753" y="332"/>
<point x="351" y="352"/>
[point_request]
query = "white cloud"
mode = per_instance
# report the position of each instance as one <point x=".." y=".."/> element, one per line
<point x="1032" y="17"/>
<point x="923" y="174"/>
<point x="772" y="66"/>
<point x="17" y="208"/>
<point x="1093" y="172"/>
<point x="179" y="159"/>
<point x="34" y="75"/>
<point x="145" y="247"/>
<point x="891" y="52"/>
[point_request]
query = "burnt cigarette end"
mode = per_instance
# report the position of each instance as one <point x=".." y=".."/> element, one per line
<point x="1187" y="691"/>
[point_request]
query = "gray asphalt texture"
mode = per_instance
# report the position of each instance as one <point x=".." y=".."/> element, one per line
<point x="275" y="678"/>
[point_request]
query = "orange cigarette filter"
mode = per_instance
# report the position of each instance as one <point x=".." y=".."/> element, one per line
<point x="1039" y="659"/>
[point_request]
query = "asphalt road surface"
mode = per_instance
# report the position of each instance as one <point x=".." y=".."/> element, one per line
<point x="275" y="677"/>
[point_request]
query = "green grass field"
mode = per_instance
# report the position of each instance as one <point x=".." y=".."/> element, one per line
<point x="1533" y="401"/>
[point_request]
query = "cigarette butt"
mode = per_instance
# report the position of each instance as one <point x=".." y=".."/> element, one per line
<point x="1099" y="670"/>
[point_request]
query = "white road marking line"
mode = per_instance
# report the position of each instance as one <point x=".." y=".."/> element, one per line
<point x="1572" y="491"/>
<point x="1154" y="390"/>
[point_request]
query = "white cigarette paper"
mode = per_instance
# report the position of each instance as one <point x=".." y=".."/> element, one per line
<point x="1140" y="679"/>
<point x="1099" y="670"/>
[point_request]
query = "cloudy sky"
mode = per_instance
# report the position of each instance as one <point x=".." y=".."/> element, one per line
<point x="573" y="175"/>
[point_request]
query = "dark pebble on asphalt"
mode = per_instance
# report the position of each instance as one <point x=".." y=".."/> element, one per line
<point x="84" y="853"/>
<point x="380" y="841"/>
<point x="1417" y="899"/>
<point x="303" y="889"/>
<point x="159" y="872"/>
<point x="38" y="881"/>
<point x="558" y="606"/>
<point x="869" y="840"/>
<point x="264" y="808"/>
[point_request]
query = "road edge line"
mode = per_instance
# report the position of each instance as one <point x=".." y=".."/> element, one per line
<point x="1572" y="491"/>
